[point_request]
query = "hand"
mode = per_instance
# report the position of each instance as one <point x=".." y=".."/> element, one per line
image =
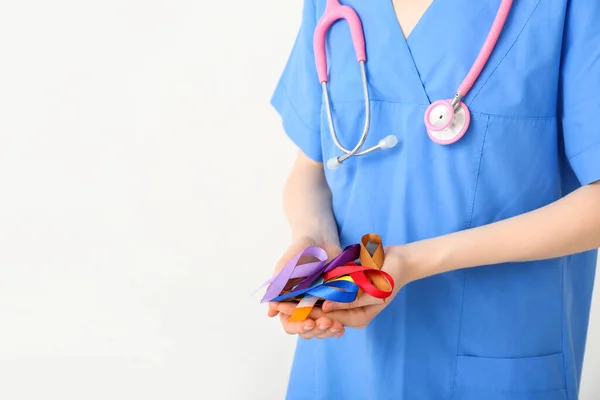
<point x="361" y="312"/>
<point x="316" y="326"/>
<point x="319" y="326"/>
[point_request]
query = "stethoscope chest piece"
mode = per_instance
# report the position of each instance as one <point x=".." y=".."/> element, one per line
<point x="445" y="123"/>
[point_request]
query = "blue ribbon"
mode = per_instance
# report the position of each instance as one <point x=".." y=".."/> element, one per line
<point x="340" y="291"/>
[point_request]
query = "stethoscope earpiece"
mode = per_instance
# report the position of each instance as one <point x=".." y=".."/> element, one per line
<point x="386" y="143"/>
<point x="333" y="163"/>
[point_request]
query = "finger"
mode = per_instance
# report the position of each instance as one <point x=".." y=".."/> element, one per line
<point x="316" y="334"/>
<point x="286" y="308"/>
<point x="273" y="311"/>
<point x="337" y="329"/>
<point x="325" y="335"/>
<point x="306" y="329"/>
<point x="322" y="331"/>
<point x="296" y="328"/>
<point x="307" y="335"/>
<point x="332" y="250"/>
<point x="323" y="324"/>
<point x="355" y="317"/>
<point x="329" y="306"/>
<point x="362" y="301"/>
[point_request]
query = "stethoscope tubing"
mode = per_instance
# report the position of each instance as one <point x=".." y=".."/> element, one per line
<point x="486" y="50"/>
<point x="355" y="151"/>
<point x="335" y="11"/>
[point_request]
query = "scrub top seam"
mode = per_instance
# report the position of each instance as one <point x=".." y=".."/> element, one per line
<point x="462" y="307"/>
<point x="293" y="107"/>
<point x="464" y="277"/>
<point x="472" y="209"/>
<point x="588" y="148"/>
<point x="504" y="56"/>
<point x="562" y="325"/>
<point x="473" y="112"/>
<point x="514" y="117"/>
<point x="529" y="391"/>
<point x="372" y="100"/>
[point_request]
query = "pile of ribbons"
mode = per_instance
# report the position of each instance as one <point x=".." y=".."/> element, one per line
<point x="356" y="270"/>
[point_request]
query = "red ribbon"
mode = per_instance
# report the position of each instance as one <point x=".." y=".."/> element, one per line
<point x="361" y="276"/>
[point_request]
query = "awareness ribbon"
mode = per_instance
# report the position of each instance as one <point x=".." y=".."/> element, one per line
<point x="342" y="279"/>
<point x="293" y="270"/>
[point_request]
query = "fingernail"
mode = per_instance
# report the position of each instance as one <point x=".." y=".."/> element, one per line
<point x="308" y="328"/>
<point x="323" y="327"/>
<point x="334" y="331"/>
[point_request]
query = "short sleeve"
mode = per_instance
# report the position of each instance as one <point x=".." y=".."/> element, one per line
<point x="579" y="104"/>
<point x="298" y="96"/>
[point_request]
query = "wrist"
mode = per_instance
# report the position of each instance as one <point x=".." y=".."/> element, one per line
<point x="446" y="253"/>
<point x="315" y="230"/>
<point x="420" y="259"/>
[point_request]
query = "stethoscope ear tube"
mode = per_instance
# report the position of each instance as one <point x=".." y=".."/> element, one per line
<point x="386" y="143"/>
<point x="355" y="151"/>
<point x="334" y="11"/>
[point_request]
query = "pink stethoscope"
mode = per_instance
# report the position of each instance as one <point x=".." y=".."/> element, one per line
<point x="446" y="120"/>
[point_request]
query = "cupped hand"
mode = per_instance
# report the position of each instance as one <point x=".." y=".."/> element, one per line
<point x="361" y="312"/>
<point x="317" y="325"/>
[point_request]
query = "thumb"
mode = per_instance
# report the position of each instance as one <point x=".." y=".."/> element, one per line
<point x="332" y="250"/>
<point x="273" y="311"/>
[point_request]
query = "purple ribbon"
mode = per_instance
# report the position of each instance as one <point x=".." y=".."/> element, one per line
<point x="292" y="270"/>
<point x="349" y="254"/>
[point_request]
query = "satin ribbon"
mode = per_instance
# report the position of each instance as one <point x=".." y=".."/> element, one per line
<point x="309" y="300"/>
<point x="338" y="290"/>
<point x="315" y="285"/>
<point x="363" y="277"/>
<point x="342" y="279"/>
<point x="293" y="270"/>
<point x="368" y="275"/>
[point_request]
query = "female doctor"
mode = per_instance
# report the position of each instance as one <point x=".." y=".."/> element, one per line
<point x="486" y="198"/>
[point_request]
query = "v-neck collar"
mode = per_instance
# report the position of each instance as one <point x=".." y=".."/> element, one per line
<point x="423" y="14"/>
<point x="409" y="68"/>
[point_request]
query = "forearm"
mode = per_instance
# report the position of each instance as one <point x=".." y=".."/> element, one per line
<point x="307" y="201"/>
<point x="567" y="226"/>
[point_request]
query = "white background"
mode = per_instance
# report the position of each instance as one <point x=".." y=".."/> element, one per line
<point x="141" y="169"/>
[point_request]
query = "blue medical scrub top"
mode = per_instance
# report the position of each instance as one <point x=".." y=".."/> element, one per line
<point x="511" y="331"/>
